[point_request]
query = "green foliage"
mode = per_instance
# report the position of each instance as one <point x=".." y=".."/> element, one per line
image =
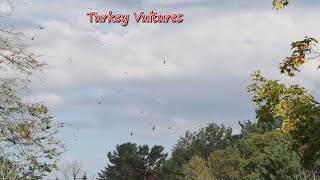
<point x="130" y="161"/>
<point x="8" y="170"/>
<point x="299" y="110"/>
<point x="27" y="133"/>
<point x="266" y="156"/>
<point x="197" y="169"/>
<point x="225" y="163"/>
<point x="280" y="4"/>
<point x="200" y="143"/>
<point x="248" y="128"/>
<point x="303" y="52"/>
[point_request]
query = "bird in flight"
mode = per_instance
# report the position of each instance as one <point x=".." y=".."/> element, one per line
<point x="164" y="62"/>
<point x="169" y="128"/>
<point x="142" y="112"/>
<point x="131" y="133"/>
<point x="99" y="102"/>
<point x="70" y="60"/>
<point x="32" y="38"/>
<point x="90" y="8"/>
<point x="125" y="72"/>
<point x="154" y="127"/>
<point x="40" y="27"/>
<point x="139" y="2"/>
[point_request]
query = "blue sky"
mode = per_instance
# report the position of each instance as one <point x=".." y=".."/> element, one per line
<point x="210" y="57"/>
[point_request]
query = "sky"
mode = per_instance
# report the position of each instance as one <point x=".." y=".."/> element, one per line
<point x="209" y="58"/>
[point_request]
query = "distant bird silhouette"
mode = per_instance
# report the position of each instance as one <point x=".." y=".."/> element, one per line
<point x="139" y="2"/>
<point x="70" y="60"/>
<point x="142" y="112"/>
<point x="164" y="62"/>
<point x="90" y="8"/>
<point x="99" y="102"/>
<point x="154" y="127"/>
<point x="40" y="27"/>
<point x="32" y="39"/>
<point x="169" y="128"/>
<point x="125" y="72"/>
<point x="131" y="133"/>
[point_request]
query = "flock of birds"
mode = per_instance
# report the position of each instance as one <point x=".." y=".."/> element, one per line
<point x="164" y="63"/>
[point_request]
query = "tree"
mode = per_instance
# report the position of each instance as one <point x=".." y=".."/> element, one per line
<point x="133" y="162"/>
<point x="197" y="169"/>
<point x="267" y="156"/>
<point x="73" y="171"/>
<point x="200" y="143"/>
<point x="299" y="110"/>
<point x="27" y="133"/>
<point x="27" y="130"/>
<point x="248" y="128"/>
<point x="8" y="170"/>
<point x="225" y="163"/>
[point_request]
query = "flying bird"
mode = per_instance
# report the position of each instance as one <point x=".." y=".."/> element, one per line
<point x="164" y="62"/>
<point x="131" y="133"/>
<point x="142" y="112"/>
<point x="125" y="72"/>
<point x="154" y="127"/>
<point x="139" y="2"/>
<point x="32" y="39"/>
<point x="99" y="102"/>
<point x="169" y="128"/>
<point x="90" y="8"/>
<point x="40" y="27"/>
<point x="70" y="60"/>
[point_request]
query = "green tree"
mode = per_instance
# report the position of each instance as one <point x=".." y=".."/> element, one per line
<point x="8" y="170"/>
<point x="27" y="133"/>
<point x="299" y="110"/>
<point x="27" y="130"/>
<point x="132" y="162"/>
<point x="225" y="163"/>
<point x="197" y="169"/>
<point x="200" y="143"/>
<point x="267" y="156"/>
<point x="248" y="127"/>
